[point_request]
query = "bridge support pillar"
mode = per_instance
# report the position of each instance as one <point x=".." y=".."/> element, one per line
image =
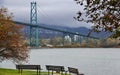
<point x="63" y="37"/>
<point x="33" y="20"/>
<point x="72" y="38"/>
<point x="30" y="36"/>
<point x="37" y="37"/>
<point x="87" y="40"/>
<point x="80" y="39"/>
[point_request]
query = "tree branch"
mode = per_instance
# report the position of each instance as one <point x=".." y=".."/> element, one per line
<point x="2" y="50"/>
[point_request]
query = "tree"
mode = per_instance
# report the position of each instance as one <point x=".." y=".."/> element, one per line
<point x="56" y="41"/>
<point x="12" y="45"/>
<point x="104" y="14"/>
<point x="116" y="33"/>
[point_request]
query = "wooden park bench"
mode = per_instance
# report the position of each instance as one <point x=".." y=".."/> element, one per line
<point x="58" y="69"/>
<point x="74" y="71"/>
<point x="33" y="67"/>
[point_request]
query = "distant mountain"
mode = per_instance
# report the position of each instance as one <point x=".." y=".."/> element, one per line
<point x="85" y="31"/>
<point x="82" y="30"/>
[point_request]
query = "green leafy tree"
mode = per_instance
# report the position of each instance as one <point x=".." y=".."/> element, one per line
<point x="104" y="14"/>
<point x="12" y="44"/>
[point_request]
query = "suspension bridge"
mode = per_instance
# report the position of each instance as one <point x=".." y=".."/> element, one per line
<point x="34" y="28"/>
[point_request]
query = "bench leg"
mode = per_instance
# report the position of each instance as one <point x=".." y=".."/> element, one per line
<point x="61" y="73"/>
<point x="52" y="72"/>
<point x="18" y="70"/>
<point x="65" y="72"/>
<point x="48" y="72"/>
<point x="21" y="71"/>
<point x="39" y="72"/>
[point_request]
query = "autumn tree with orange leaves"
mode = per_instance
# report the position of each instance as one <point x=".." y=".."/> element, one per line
<point x="104" y="14"/>
<point x="12" y="45"/>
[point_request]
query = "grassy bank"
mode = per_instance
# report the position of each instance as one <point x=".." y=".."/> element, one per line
<point x="15" y="72"/>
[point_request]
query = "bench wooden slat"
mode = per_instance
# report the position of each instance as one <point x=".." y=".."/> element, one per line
<point x="74" y="70"/>
<point x="21" y="67"/>
<point x="55" y="68"/>
<point x="28" y="67"/>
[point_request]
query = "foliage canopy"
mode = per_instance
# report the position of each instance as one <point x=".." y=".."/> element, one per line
<point x="12" y="44"/>
<point x="104" y="14"/>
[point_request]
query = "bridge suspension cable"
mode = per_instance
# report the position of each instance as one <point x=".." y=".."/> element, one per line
<point x="42" y="12"/>
<point x="49" y="17"/>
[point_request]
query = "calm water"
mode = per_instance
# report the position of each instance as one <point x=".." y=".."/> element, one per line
<point x="89" y="61"/>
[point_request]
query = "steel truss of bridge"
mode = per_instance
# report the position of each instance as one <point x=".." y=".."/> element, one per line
<point x="53" y="29"/>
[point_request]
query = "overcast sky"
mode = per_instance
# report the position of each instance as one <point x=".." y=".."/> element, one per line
<point x="59" y="12"/>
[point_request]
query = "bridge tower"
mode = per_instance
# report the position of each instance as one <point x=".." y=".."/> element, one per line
<point x="33" y="20"/>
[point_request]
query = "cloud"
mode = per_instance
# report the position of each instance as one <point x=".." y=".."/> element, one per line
<point x="58" y="12"/>
<point x="1" y="2"/>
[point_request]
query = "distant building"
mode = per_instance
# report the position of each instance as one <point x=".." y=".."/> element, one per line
<point x="68" y="39"/>
<point x="76" y="38"/>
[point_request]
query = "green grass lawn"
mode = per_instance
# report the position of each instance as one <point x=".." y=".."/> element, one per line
<point x="4" y="71"/>
<point x="15" y="72"/>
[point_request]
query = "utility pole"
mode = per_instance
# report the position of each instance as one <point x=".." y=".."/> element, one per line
<point x="33" y="20"/>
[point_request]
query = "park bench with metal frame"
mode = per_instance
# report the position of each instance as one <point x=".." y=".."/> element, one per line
<point x="58" y="69"/>
<point x="33" y="67"/>
<point x="74" y="71"/>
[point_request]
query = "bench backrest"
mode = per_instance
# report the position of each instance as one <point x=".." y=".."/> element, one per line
<point x="55" y="68"/>
<point x="73" y="70"/>
<point x="28" y="67"/>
